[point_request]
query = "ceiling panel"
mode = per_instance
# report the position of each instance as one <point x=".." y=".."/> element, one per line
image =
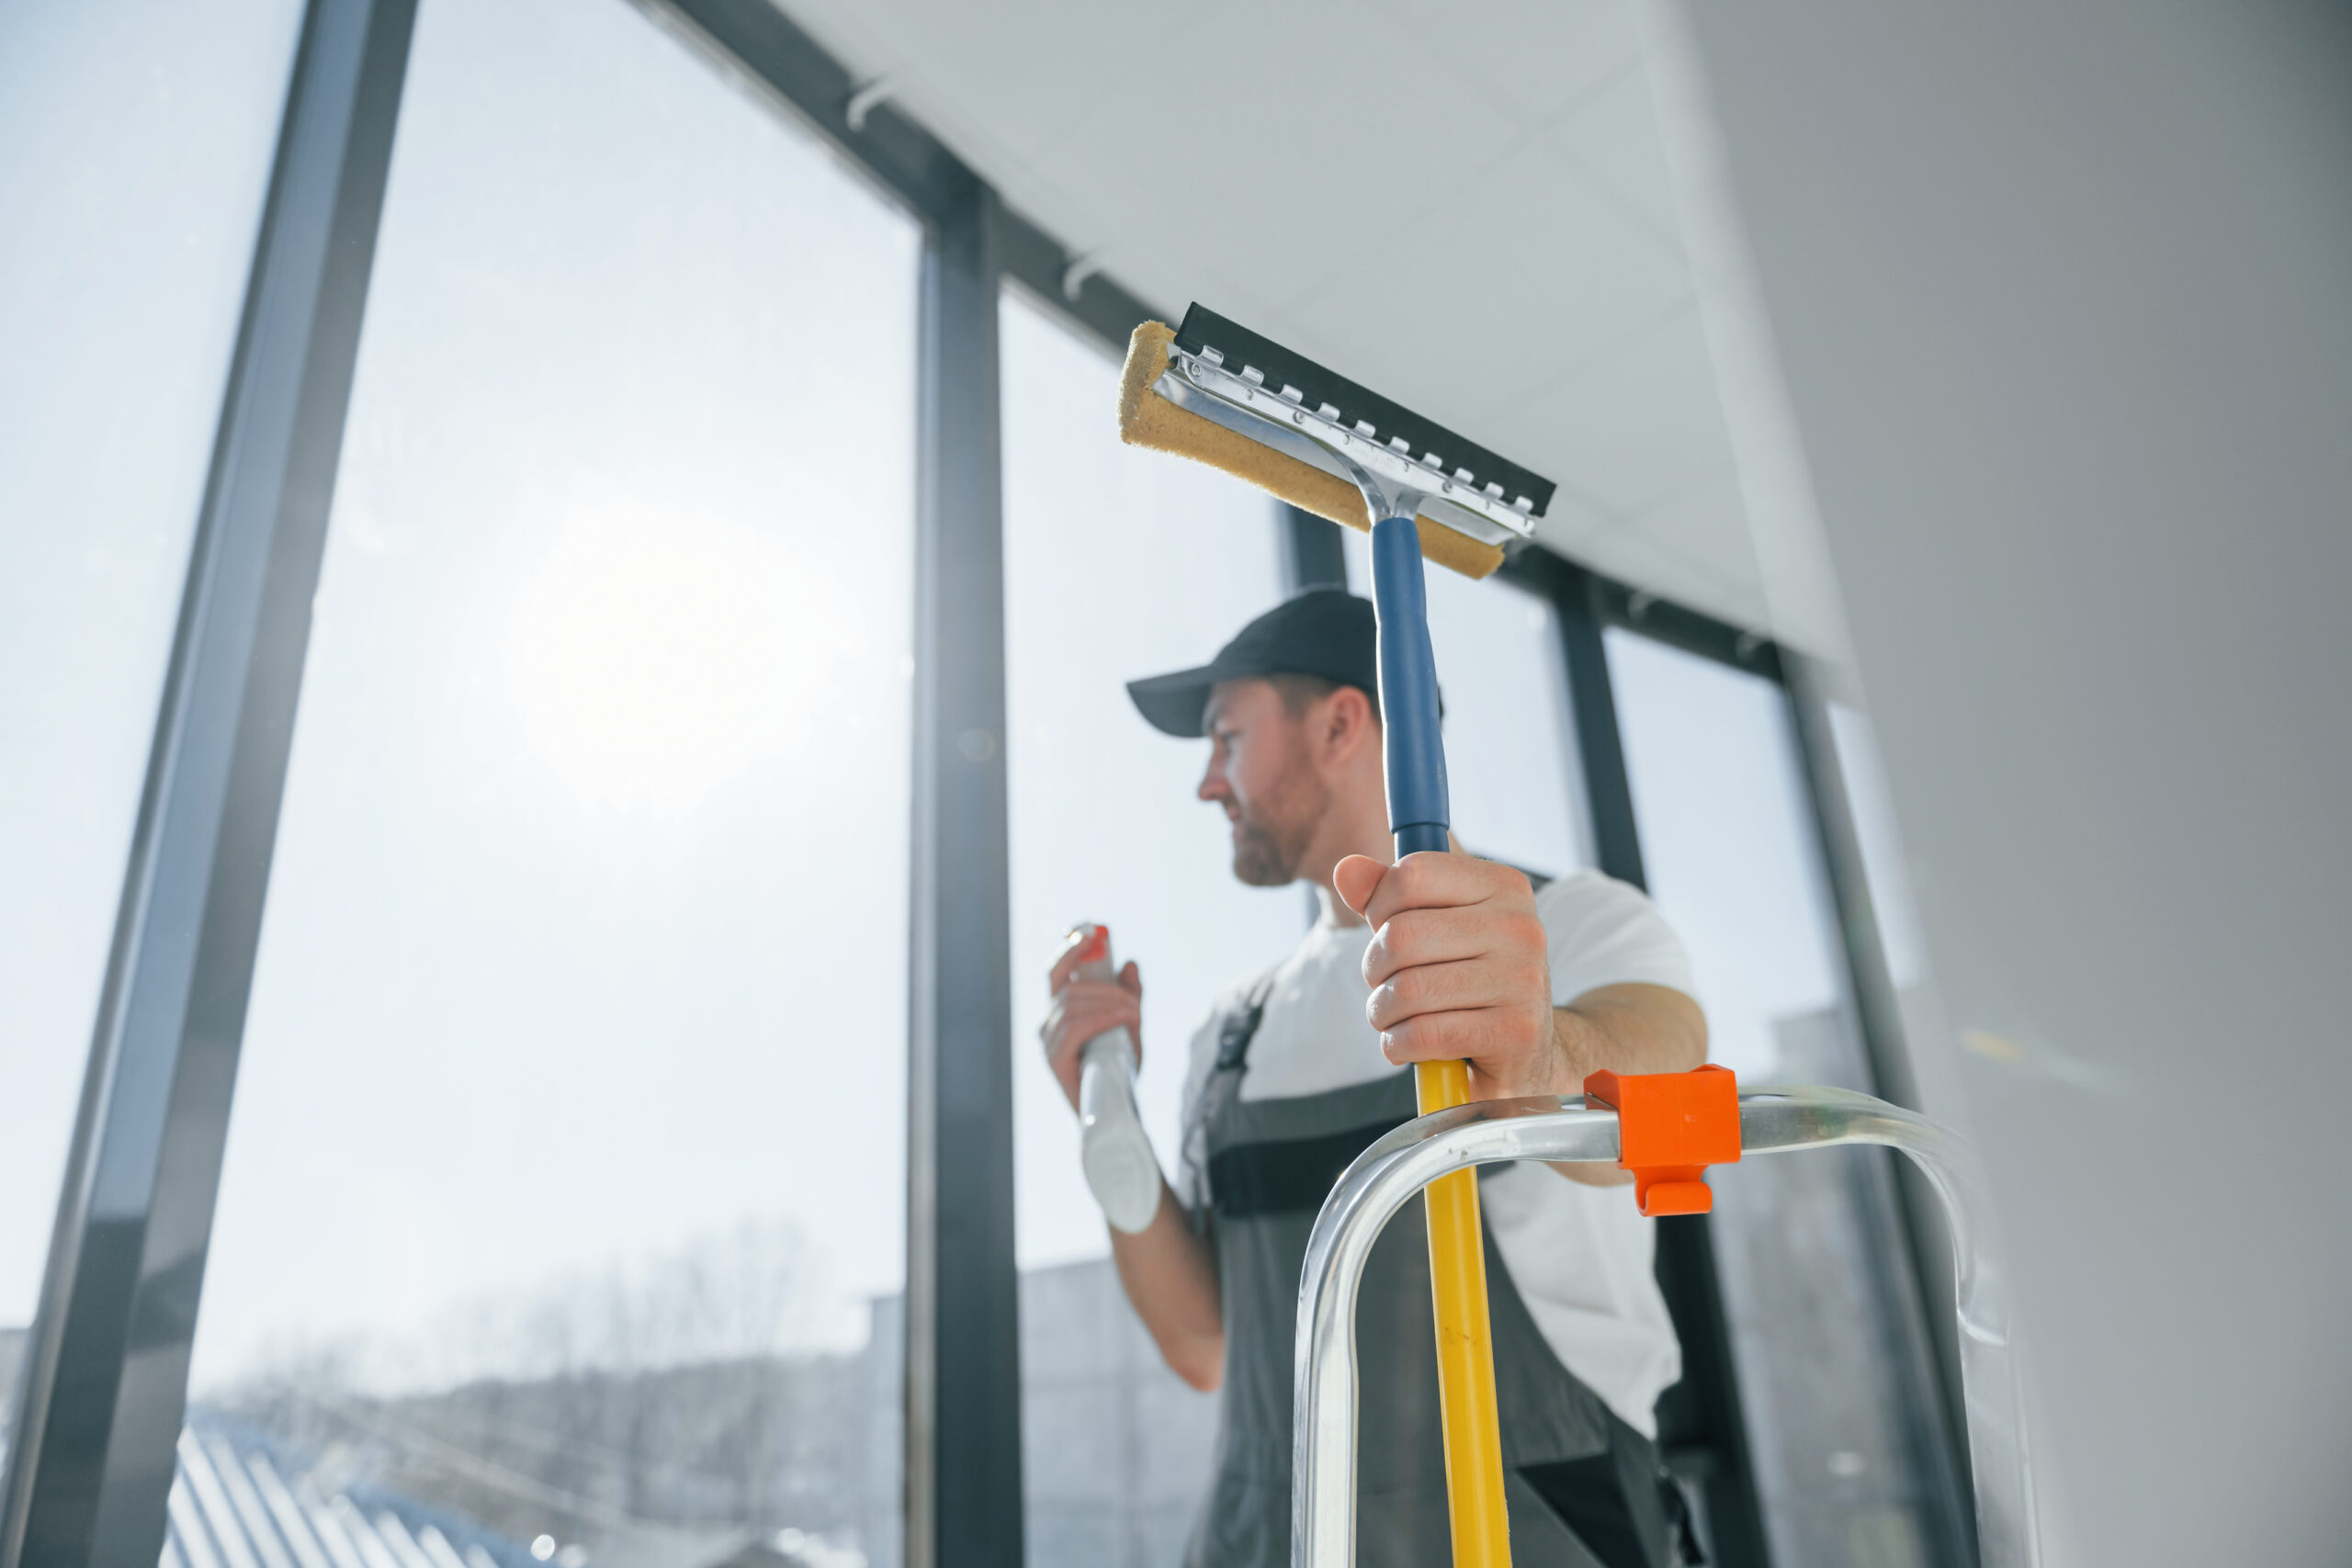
<point x="1699" y="538"/>
<point x="1539" y="56"/>
<point x="1255" y="178"/>
<point x="1463" y="204"/>
<point x="1634" y="424"/>
<point x="1639" y="559"/>
<point x="1613" y="133"/>
<point x="1465" y="331"/>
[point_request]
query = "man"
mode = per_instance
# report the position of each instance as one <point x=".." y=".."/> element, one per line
<point x="1297" y="1070"/>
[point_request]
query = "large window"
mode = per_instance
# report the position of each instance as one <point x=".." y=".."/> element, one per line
<point x="567" y="1167"/>
<point x="1118" y="563"/>
<point x="563" y="1213"/>
<point x="135" y="145"/>
<point x="1832" y="1362"/>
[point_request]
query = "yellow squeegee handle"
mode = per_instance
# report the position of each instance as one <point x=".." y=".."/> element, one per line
<point x="1466" y="1346"/>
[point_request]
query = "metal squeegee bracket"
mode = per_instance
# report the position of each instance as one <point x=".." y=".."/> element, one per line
<point x="1388" y="1174"/>
<point x="1405" y="483"/>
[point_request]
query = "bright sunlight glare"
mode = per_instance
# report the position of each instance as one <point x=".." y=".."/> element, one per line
<point x="655" y="660"/>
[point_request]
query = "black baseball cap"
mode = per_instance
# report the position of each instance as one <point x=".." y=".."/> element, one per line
<point x="1324" y="631"/>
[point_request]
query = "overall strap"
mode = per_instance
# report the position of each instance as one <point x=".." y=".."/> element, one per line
<point x="1241" y="1026"/>
<point x="1235" y="1030"/>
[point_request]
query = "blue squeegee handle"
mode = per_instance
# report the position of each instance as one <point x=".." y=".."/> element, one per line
<point x="1415" y="756"/>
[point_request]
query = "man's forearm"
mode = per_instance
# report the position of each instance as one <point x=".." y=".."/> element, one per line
<point x="1171" y="1278"/>
<point x="1625" y="1029"/>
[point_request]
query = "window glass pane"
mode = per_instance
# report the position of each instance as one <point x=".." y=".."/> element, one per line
<point x="1728" y="849"/>
<point x="135" y="147"/>
<point x="1512" y="774"/>
<point x="1826" y="1332"/>
<point x="1118" y="563"/>
<point x="568" y="1155"/>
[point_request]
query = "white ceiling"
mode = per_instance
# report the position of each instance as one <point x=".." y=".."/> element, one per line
<point x="1463" y="204"/>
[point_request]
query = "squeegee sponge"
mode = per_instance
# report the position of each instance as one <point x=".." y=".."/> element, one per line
<point x="1147" y="419"/>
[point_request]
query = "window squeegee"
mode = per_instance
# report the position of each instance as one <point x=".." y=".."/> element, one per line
<point x="1222" y="395"/>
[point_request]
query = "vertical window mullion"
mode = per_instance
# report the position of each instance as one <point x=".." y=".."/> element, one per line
<point x="1312" y="550"/>
<point x="963" y="1495"/>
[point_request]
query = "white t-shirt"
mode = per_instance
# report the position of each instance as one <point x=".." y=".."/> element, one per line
<point x="1580" y="1255"/>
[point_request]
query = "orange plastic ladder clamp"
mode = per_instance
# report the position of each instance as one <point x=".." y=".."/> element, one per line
<point x="1465" y="1345"/>
<point x="1670" y="1127"/>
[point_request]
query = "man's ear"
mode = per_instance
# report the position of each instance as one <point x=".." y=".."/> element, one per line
<point x="1349" y="721"/>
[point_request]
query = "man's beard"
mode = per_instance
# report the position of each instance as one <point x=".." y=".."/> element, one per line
<point x="1271" y="839"/>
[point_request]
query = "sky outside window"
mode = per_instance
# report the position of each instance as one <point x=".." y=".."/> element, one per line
<point x="1727" y="843"/>
<point x="135" y="147"/>
<point x="585" y="941"/>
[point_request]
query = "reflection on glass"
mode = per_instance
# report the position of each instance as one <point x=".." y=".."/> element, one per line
<point x="1118" y="563"/>
<point x="1881" y="847"/>
<point x="1512" y="772"/>
<point x="567" y="1170"/>
<point x="135" y="145"/>
<point x="1826" y="1333"/>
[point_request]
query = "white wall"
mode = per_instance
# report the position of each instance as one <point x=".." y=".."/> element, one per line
<point x="2064" y="301"/>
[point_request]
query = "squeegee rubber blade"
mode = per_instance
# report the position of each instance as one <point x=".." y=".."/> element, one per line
<point x="1318" y="387"/>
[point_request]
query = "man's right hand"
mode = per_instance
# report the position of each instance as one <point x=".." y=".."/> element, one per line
<point x="1167" y="1272"/>
<point x="1084" y="1008"/>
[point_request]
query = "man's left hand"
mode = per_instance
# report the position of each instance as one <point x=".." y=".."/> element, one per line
<point x="1459" y="969"/>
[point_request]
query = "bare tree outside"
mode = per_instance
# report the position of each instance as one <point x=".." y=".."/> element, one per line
<point x="664" y="1409"/>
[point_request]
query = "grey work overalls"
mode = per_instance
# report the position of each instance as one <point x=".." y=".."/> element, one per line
<point x="1269" y="1166"/>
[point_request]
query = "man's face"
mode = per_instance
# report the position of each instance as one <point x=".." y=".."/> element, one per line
<point x="1261" y="773"/>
